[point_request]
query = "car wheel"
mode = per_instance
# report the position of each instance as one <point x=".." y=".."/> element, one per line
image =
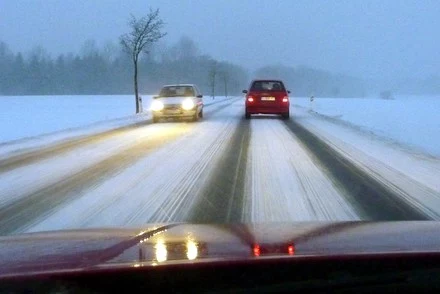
<point x="286" y="115"/>
<point x="247" y="115"/>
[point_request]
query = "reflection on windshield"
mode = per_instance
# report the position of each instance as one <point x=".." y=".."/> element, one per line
<point x="191" y="249"/>
<point x="161" y="251"/>
<point x="273" y="249"/>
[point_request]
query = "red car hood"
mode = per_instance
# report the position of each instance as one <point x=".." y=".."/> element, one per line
<point x="162" y="244"/>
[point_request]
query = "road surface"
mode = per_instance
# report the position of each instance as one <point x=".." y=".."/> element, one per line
<point x="223" y="168"/>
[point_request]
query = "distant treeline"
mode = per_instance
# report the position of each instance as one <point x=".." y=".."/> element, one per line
<point x="107" y="70"/>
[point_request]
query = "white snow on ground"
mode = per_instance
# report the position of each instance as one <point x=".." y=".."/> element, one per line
<point x="27" y="116"/>
<point x="31" y="122"/>
<point x="413" y="175"/>
<point x="286" y="185"/>
<point x="30" y="143"/>
<point x="158" y="188"/>
<point x="412" y="120"/>
<point x="24" y="180"/>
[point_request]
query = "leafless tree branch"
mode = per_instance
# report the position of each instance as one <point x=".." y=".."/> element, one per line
<point x="144" y="32"/>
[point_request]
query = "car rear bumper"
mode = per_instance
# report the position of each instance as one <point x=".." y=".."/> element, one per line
<point x="267" y="110"/>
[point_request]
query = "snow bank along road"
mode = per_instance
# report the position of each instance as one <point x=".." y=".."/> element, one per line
<point x="221" y="169"/>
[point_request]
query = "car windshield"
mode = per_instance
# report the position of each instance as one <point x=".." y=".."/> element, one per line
<point x="284" y="112"/>
<point x="174" y="91"/>
<point x="268" y="86"/>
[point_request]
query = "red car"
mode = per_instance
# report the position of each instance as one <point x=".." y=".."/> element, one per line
<point x="267" y="97"/>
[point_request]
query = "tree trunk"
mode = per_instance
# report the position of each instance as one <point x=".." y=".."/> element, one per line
<point x="136" y="92"/>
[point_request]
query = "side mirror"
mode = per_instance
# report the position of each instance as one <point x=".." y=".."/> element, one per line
<point x="200" y="96"/>
<point x="245" y="91"/>
<point x="288" y="91"/>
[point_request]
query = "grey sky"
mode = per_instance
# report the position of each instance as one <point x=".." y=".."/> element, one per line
<point x="380" y="38"/>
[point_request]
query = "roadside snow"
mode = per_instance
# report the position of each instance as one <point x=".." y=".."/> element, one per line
<point x="28" y="116"/>
<point x="413" y="175"/>
<point x="411" y="120"/>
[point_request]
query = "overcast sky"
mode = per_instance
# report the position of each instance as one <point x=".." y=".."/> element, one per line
<point x="379" y="38"/>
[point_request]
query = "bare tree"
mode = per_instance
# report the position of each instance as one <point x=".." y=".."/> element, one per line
<point x="212" y="78"/>
<point x="145" y="31"/>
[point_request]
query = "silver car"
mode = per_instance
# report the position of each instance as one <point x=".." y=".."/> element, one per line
<point x="178" y="101"/>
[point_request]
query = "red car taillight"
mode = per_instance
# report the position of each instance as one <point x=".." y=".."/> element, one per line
<point x="250" y="99"/>
<point x="286" y="99"/>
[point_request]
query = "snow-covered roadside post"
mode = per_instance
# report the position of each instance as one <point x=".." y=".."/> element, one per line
<point x="312" y="98"/>
<point x="141" y="109"/>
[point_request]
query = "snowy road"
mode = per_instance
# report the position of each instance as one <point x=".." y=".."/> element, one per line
<point x="221" y="169"/>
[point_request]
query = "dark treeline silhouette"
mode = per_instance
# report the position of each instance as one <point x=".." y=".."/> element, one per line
<point x="107" y="70"/>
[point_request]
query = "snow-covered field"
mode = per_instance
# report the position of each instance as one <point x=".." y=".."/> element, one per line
<point x="410" y="120"/>
<point x="27" y="116"/>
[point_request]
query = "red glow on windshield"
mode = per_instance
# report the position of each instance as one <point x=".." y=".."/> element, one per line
<point x="291" y="250"/>
<point x="256" y="250"/>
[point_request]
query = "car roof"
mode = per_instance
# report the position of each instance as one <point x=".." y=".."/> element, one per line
<point x="267" y="80"/>
<point x="179" y="85"/>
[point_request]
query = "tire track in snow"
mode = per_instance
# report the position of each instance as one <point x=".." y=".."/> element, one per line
<point x="284" y="183"/>
<point x="222" y="199"/>
<point x="25" y="180"/>
<point x="41" y="202"/>
<point x="419" y="186"/>
<point x="375" y="200"/>
<point x="28" y="157"/>
<point x="160" y="187"/>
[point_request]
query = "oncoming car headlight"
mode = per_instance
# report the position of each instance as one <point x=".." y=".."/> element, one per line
<point x="156" y="105"/>
<point x="188" y="104"/>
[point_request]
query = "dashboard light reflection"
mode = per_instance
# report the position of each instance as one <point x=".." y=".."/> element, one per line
<point x="161" y="251"/>
<point x="191" y="250"/>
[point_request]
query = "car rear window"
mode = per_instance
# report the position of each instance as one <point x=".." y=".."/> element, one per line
<point x="174" y="91"/>
<point x="267" y="86"/>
